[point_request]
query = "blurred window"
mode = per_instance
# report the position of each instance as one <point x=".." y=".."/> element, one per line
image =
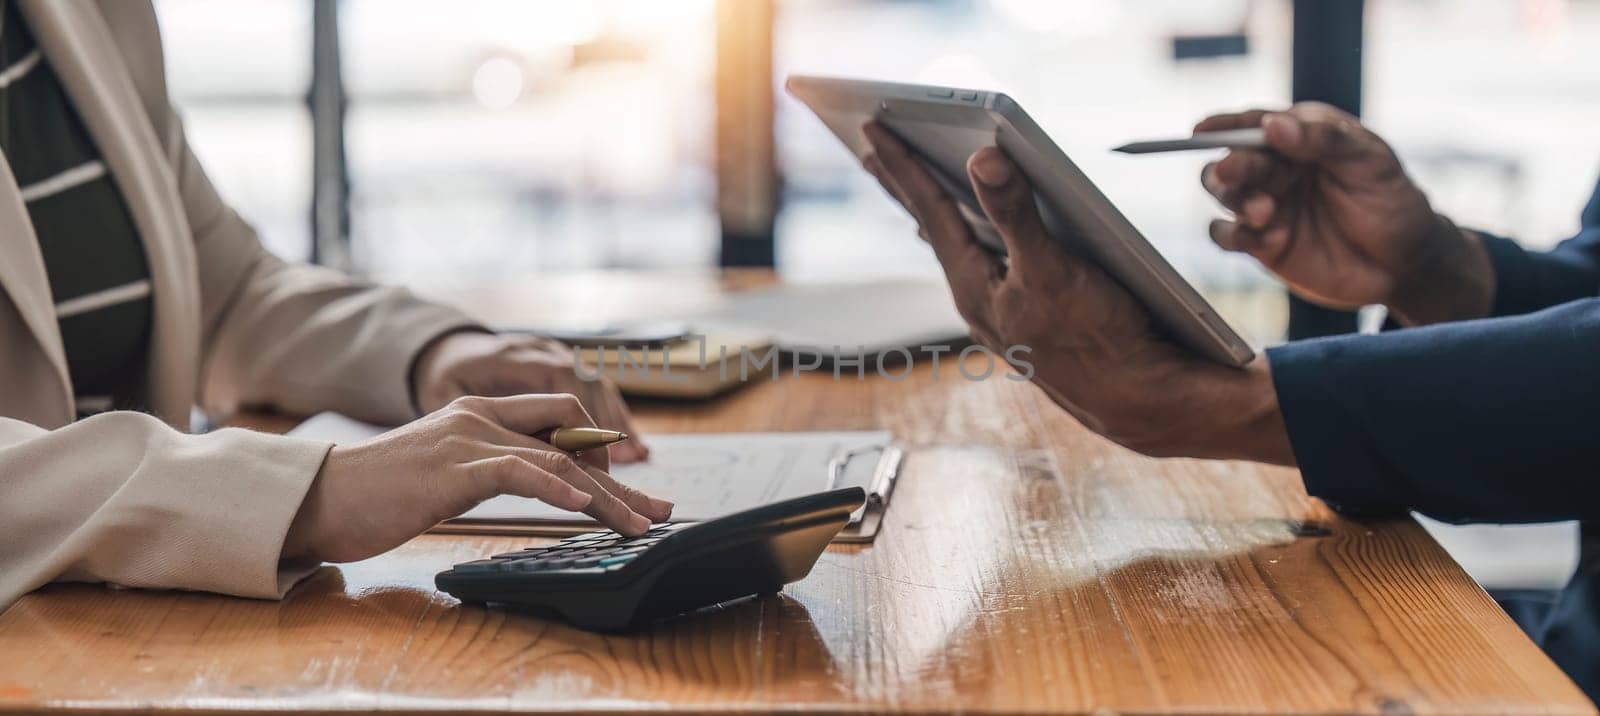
<point x="1493" y="105"/>
<point x="238" y="72"/>
<point x="488" y="139"/>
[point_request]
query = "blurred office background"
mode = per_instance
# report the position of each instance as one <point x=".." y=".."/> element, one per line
<point x="492" y="140"/>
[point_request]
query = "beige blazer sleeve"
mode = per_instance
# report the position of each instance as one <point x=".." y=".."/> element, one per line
<point x="122" y="497"/>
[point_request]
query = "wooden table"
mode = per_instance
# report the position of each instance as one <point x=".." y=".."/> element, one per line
<point x="1026" y="566"/>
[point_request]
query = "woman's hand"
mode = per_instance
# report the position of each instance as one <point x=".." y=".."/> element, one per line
<point x="1093" y="346"/>
<point x="372" y="496"/>
<point x="473" y="363"/>
<point x="1328" y="208"/>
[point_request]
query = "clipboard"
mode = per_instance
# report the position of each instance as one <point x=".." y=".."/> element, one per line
<point x="864" y="522"/>
<point x="879" y="482"/>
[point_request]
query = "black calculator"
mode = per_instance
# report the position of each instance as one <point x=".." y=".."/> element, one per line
<point x="606" y="582"/>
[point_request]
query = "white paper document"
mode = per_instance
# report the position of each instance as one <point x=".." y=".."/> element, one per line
<point x="706" y="475"/>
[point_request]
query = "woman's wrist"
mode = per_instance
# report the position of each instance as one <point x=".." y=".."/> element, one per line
<point x="297" y="543"/>
<point x="301" y="543"/>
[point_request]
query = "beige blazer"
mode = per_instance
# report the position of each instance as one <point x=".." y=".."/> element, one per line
<point x="129" y="498"/>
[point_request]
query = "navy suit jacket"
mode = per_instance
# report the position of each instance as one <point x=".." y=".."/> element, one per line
<point x="1492" y="420"/>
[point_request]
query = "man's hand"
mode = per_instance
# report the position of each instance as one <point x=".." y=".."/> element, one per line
<point x="472" y="363"/>
<point x="1329" y="209"/>
<point x="373" y="496"/>
<point x="1094" y="348"/>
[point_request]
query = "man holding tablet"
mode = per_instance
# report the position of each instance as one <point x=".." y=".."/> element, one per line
<point x="1483" y="411"/>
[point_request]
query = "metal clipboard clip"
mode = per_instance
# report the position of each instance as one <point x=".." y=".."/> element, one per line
<point x="883" y="475"/>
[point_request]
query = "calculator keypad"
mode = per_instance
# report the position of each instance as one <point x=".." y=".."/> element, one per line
<point x="589" y="553"/>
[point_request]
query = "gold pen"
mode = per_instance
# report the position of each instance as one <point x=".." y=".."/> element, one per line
<point x="580" y="439"/>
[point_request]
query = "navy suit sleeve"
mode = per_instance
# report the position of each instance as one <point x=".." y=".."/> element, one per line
<point x="1529" y="281"/>
<point x="1490" y="420"/>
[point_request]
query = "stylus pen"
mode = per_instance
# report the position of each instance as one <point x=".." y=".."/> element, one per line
<point x="1251" y="138"/>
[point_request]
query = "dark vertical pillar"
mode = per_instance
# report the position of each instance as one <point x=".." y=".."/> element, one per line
<point x="1327" y="68"/>
<point x="330" y="178"/>
<point x="746" y="148"/>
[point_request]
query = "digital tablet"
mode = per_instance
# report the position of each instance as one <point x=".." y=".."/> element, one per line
<point x="945" y="125"/>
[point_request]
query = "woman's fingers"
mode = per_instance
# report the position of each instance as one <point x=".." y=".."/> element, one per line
<point x="600" y="397"/>
<point x="606" y="507"/>
<point x="499" y="437"/>
<point x="568" y="486"/>
<point x="655" y="508"/>
<point x="512" y="475"/>
<point x="621" y="508"/>
<point x="614" y="503"/>
<point x="530" y="413"/>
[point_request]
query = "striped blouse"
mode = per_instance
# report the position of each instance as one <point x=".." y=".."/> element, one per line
<point x="92" y="252"/>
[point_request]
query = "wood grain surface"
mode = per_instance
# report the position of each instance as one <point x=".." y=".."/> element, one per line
<point x="1025" y="565"/>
